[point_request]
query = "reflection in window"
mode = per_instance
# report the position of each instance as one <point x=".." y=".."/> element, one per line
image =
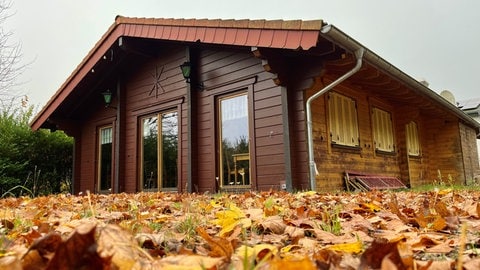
<point x="105" y="159"/>
<point x="160" y="151"/>
<point x="234" y="143"/>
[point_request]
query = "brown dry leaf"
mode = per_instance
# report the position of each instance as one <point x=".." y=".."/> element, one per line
<point x="472" y="264"/>
<point x="294" y="232"/>
<point x="442" y="210"/>
<point x="273" y="224"/>
<point x="393" y="207"/>
<point x="327" y="259"/>
<point x="377" y="252"/>
<point x="444" y="247"/>
<point x="10" y="263"/>
<point x="33" y="261"/>
<point x="190" y="262"/>
<point x="439" y="223"/>
<point x="220" y="247"/>
<point x="41" y="251"/>
<point x="78" y="251"/>
<point x="307" y="243"/>
<point x="425" y="242"/>
<point x="120" y="247"/>
<point x="47" y="244"/>
<point x="478" y="210"/>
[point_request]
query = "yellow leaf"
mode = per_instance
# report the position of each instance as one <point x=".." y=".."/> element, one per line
<point x="287" y="249"/>
<point x="445" y="191"/>
<point x="371" y="207"/>
<point x="303" y="263"/>
<point x="230" y="218"/>
<point x="307" y="193"/>
<point x="355" y="247"/>
<point x="253" y="251"/>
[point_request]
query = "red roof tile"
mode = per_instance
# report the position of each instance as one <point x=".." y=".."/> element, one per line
<point x="216" y="31"/>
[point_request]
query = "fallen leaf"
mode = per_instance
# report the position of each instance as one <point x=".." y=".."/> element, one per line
<point x="355" y="247"/>
<point x="273" y="224"/>
<point x="78" y="251"/>
<point x="220" y="247"/>
<point x="11" y="263"/>
<point x="117" y="245"/>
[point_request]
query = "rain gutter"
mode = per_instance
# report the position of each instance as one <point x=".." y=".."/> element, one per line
<point x="313" y="170"/>
<point x="341" y="39"/>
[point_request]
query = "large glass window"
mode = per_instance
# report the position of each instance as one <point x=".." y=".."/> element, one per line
<point x="234" y="140"/>
<point x="160" y="151"/>
<point x="105" y="159"/>
<point x="342" y="115"/>
<point x="383" y="130"/>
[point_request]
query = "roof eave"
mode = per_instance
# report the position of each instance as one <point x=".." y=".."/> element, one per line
<point x="335" y="35"/>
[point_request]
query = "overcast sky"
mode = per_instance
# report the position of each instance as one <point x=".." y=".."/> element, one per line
<point x="435" y="40"/>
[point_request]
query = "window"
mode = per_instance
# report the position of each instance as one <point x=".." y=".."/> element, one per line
<point x="159" y="151"/>
<point x="413" y="144"/>
<point x="105" y="140"/>
<point x="342" y="112"/>
<point x="382" y="130"/>
<point x="234" y="140"/>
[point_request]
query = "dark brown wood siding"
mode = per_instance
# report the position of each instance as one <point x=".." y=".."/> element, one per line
<point x="156" y="86"/>
<point x="225" y="72"/>
<point x="88" y="152"/>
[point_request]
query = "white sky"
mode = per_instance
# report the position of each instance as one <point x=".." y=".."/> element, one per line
<point x="436" y="40"/>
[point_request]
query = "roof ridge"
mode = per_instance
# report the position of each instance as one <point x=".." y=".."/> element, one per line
<point x="225" y="23"/>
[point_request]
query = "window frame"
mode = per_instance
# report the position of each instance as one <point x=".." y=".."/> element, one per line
<point x="218" y="138"/>
<point x="159" y="151"/>
<point x="100" y="140"/>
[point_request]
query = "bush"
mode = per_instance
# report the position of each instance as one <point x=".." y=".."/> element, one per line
<point x="40" y="161"/>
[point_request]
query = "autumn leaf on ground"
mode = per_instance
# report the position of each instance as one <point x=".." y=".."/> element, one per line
<point x="229" y="218"/>
<point x="290" y="263"/>
<point x="78" y="251"/>
<point x="121" y="248"/>
<point x="219" y="246"/>
<point x="355" y="247"/>
<point x="142" y="230"/>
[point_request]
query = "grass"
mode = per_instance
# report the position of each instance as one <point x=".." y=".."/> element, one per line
<point x="331" y="221"/>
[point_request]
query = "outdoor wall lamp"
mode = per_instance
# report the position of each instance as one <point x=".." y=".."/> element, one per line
<point x="107" y="98"/>
<point x="186" y="68"/>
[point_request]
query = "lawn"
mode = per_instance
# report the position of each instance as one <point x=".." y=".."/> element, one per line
<point x="434" y="229"/>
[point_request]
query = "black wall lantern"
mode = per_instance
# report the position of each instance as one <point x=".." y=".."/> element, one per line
<point x="107" y="97"/>
<point x="186" y="68"/>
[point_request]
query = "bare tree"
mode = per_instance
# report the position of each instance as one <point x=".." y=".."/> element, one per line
<point x="10" y="60"/>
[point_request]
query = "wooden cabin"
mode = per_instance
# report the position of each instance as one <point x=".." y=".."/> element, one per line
<point x="237" y="118"/>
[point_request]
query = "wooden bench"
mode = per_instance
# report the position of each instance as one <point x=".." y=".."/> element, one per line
<point x="366" y="182"/>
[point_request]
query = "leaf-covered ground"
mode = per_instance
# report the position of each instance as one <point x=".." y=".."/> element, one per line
<point x="255" y="230"/>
